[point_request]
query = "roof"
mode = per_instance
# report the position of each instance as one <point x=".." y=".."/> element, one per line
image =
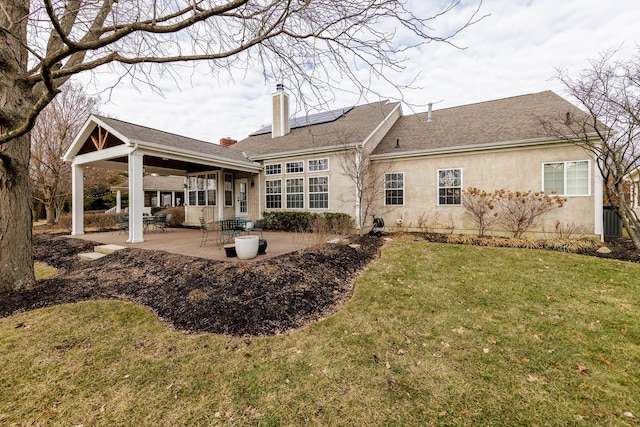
<point x="311" y="119"/>
<point x="354" y="126"/>
<point x="157" y="138"/>
<point x="156" y="182"/>
<point x="502" y="121"/>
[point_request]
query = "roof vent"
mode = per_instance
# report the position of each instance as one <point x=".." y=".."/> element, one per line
<point x="397" y="143"/>
<point x="568" y="119"/>
<point x="429" y="119"/>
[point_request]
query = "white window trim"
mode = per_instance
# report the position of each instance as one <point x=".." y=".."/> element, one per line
<point x="317" y="170"/>
<point x="272" y="174"/>
<point x="564" y="171"/>
<point x="310" y="193"/>
<point x="224" y="181"/>
<point x="404" y="191"/>
<point x="286" y="193"/>
<point x="282" y="201"/>
<point x="294" y="173"/>
<point x="438" y="186"/>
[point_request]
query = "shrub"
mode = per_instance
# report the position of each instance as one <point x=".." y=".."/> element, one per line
<point x="518" y="211"/>
<point x="177" y="219"/>
<point x="479" y="206"/>
<point x="305" y="221"/>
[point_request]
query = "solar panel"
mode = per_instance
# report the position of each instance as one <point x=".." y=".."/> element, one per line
<point x="309" y="120"/>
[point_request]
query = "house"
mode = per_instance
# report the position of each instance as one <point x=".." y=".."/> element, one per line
<point x="426" y="161"/>
<point x="159" y="191"/>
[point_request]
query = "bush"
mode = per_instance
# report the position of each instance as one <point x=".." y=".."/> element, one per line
<point x="177" y="220"/>
<point x="306" y="221"/>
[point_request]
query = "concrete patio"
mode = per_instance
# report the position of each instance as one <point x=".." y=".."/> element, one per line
<point x="186" y="241"/>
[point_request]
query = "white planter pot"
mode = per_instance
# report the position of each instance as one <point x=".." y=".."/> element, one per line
<point x="247" y="246"/>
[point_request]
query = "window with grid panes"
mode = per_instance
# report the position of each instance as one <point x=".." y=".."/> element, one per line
<point x="316" y="165"/>
<point x="273" y="190"/>
<point x="319" y="192"/>
<point x="394" y="189"/>
<point x="274" y="169"/>
<point x="450" y="187"/>
<point x="566" y="178"/>
<point x="294" y="167"/>
<point x="295" y="193"/>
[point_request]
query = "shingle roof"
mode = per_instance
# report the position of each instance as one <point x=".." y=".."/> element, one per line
<point x="500" y="121"/>
<point x="354" y="126"/>
<point x="151" y="182"/>
<point x="152" y="137"/>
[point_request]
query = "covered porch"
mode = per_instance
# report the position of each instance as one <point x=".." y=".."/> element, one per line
<point x="220" y="181"/>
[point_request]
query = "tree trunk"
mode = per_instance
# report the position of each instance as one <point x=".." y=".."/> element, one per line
<point x="16" y="98"/>
<point x="16" y="253"/>
<point x="50" y="210"/>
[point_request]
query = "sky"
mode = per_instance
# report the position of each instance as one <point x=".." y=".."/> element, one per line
<point x="515" y="50"/>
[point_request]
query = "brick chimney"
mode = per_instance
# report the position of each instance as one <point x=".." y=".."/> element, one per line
<point x="226" y="142"/>
<point x="280" y="124"/>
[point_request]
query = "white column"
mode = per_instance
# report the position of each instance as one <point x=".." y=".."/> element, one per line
<point x="136" y="198"/>
<point x="221" y="194"/>
<point x="118" y="201"/>
<point x="158" y="201"/>
<point x="77" y="200"/>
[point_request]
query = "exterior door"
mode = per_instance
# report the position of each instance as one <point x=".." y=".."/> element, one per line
<point x="242" y="208"/>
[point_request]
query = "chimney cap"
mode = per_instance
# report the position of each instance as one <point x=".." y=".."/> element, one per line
<point x="280" y="86"/>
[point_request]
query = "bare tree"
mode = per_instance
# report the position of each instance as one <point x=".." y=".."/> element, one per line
<point x="51" y="136"/>
<point x="609" y="93"/>
<point x="45" y="42"/>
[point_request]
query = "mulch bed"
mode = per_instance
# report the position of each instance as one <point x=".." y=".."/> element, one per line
<point x="199" y="295"/>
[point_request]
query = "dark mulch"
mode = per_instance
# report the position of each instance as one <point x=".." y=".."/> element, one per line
<point x="199" y="295"/>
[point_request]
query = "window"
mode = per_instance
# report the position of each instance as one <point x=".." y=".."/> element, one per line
<point x="273" y="193"/>
<point x="319" y="192"/>
<point x="294" y="167"/>
<point x="228" y="189"/>
<point x="212" y="186"/>
<point x="317" y="165"/>
<point x="193" y="195"/>
<point x="566" y="178"/>
<point x="450" y="187"/>
<point x="295" y="193"/>
<point x="394" y="188"/>
<point x="274" y="169"/>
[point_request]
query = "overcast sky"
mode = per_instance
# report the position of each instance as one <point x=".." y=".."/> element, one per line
<point x="514" y="51"/>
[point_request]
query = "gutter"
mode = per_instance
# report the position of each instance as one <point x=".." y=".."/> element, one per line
<point x="475" y="148"/>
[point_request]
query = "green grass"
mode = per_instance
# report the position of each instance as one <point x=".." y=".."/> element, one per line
<point x="435" y="335"/>
<point x="44" y="271"/>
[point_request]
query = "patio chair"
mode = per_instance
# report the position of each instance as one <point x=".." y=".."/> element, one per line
<point x="206" y="228"/>
<point x="160" y="222"/>
<point x="122" y="223"/>
<point x="230" y="228"/>
<point x="257" y="227"/>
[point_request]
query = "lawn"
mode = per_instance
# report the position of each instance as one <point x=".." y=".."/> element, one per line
<point x="435" y="334"/>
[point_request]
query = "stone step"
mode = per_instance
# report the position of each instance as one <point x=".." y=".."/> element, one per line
<point x="108" y="249"/>
<point x="91" y="255"/>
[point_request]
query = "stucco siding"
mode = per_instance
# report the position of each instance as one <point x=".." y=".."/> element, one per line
<point x="515" y="170"/>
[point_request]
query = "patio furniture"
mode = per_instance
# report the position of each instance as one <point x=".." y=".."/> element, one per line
<point x="206" y="228"/>
<point x="256" y="226"/>
<point x="122" y="223"/>
<point x="160" y="222"/>
<point x="230" y="228"/>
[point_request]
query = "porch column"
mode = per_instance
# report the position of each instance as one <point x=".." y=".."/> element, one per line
<point x="158" y="201"/>
<point x="77" y="200"/>
<point x="221" y="194"/>
<point x="136" y="198"/>
<point x="118" y="201"/>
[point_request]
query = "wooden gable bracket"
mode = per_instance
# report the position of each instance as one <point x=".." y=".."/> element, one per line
<point x="101" y="140"/>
